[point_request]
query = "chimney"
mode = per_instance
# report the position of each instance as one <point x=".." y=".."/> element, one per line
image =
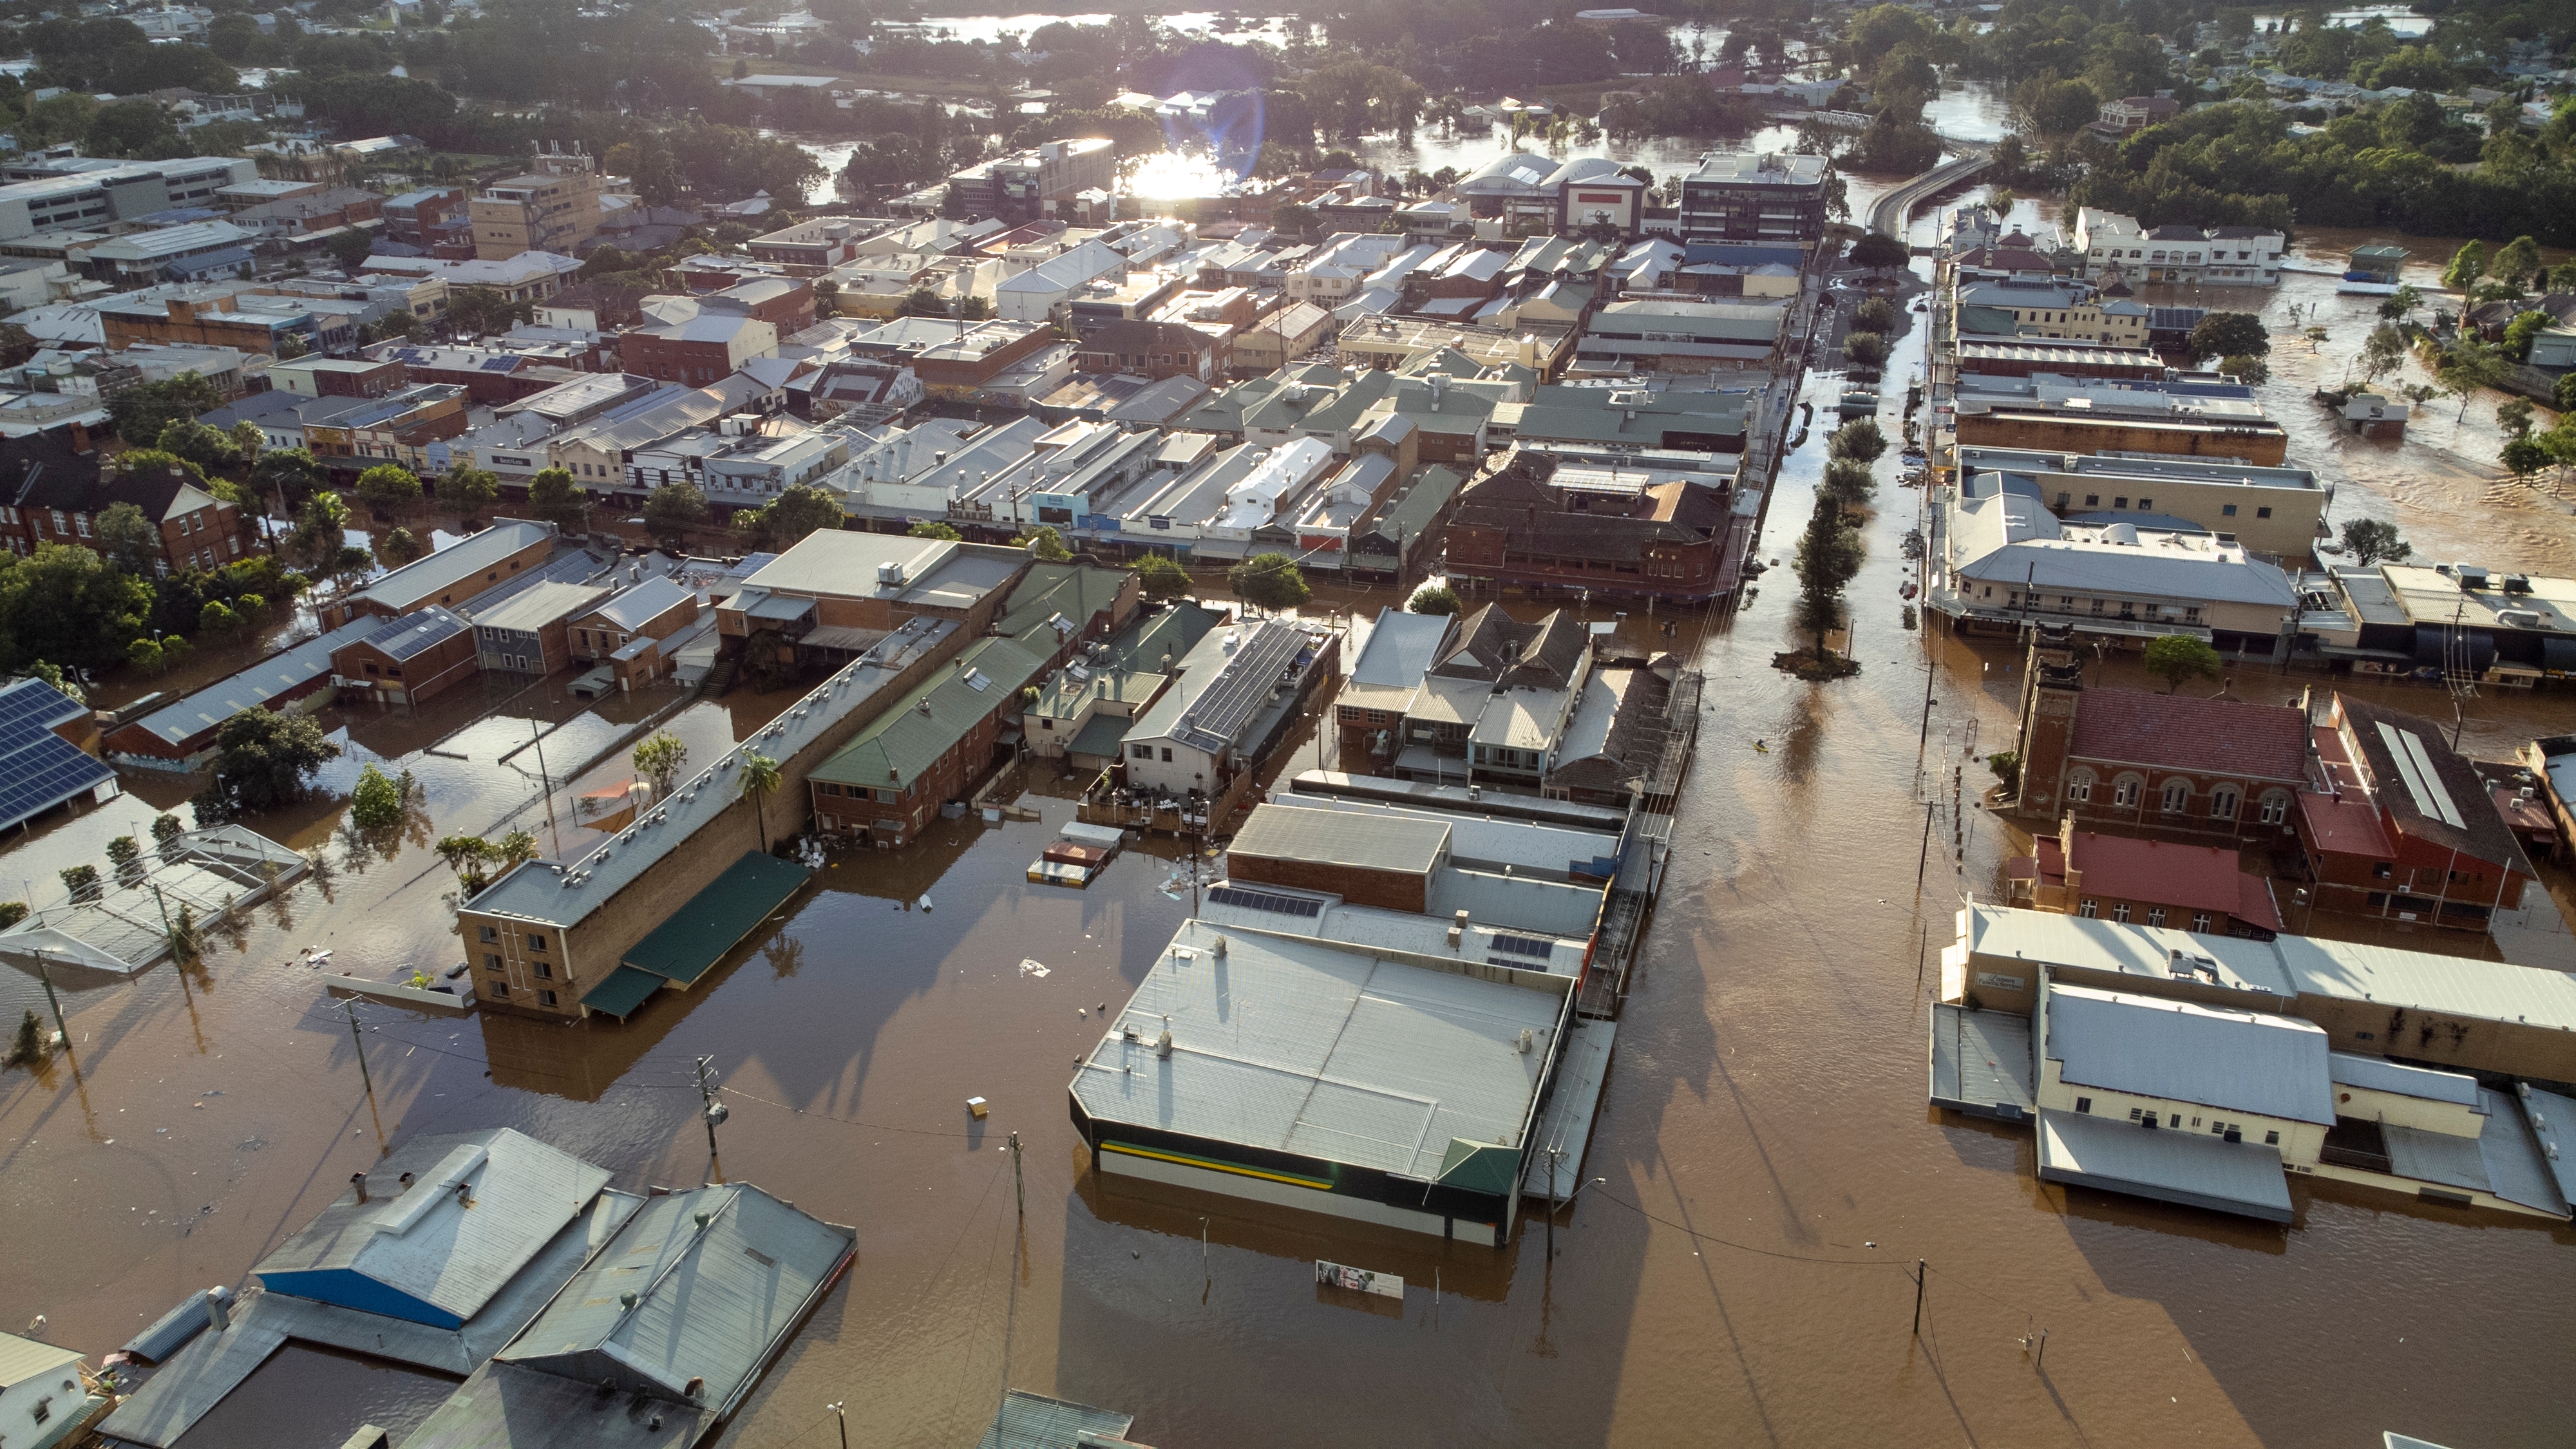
<point x="217" y="1317"/>
<point x="358" y="1180"/>
<point x="406" y="1185"/>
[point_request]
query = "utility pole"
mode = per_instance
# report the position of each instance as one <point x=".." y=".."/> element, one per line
<point x="715" y="1112"/>
<point x="46" y="975"/>
<point x="841" y="1412"/>
<point x="1019" y="1188"/>
<point x="350" y="1005"/>
<point x="538" y="738"/>
<point x="1918" y="1297"/>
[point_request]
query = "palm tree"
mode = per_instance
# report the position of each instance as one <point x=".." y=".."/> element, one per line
<point x="760" y="779"/>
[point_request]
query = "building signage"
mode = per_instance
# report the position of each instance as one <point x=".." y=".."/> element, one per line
<point x="1358" y="1280"/>
<point x="1997" y="981"/>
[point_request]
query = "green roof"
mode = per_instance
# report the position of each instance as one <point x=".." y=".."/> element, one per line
<point x="910" y="735"/>
<point x="1101" y="737"/>
<point x="1479" y="1166"/>
<point x="731" y="907"/>
<point x="1412" y="513"/>
<point x="623" y="991"/>
<point x="1076" y="591"/>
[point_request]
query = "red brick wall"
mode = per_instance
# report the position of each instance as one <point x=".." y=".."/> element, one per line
<point x="1393" y="890"/>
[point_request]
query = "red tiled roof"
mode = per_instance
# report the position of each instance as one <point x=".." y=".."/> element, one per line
<point x="2194" y="877"/>
<point x="2255" y="906"/>
<point x="2349" y="826"/>
<point x="2179" y="732"/>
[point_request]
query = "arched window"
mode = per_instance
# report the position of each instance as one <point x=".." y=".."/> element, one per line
<point x="2177" y="795"/>
<point x="2125" y="792"/>
<point x="2276" y="806"/>
<point x="2079" y="786"/>
<point x="2223" y="801"/>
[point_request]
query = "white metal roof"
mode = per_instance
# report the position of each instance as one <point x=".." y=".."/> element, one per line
<point x="2181" y="1051"/>
<point x="1323" y="1050"/>
<point x="2378" y="1074"/>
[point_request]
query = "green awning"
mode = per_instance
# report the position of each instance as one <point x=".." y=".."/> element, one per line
<point x="1101" y="737"/>
<point x="1479" y="1166"/>
<point x="623" y="991"/>
<point x="698" y="934"/>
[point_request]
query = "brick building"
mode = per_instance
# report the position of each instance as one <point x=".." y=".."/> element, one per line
<point x="1385" y="861"/>
<point x="409" y="660"/>
<point x="431" y="218"/>
<point x="2199" y="888"/>
<point x="551" y="207"/>
<point x="449" y="577"/>
<point x="707" y="348"/>
<point x="60" y="503"/>
<point x="2404" y="829"/>
<point x="1538" y="522"/>
<point x="2202" y="766"/>
<point x="1155" y="350"/>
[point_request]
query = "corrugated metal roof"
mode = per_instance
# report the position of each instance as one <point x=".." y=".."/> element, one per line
<point x="1324" y="837"/>
<point x="1400" y="648"/>
<point x="405" y="637"/>
<point x="2180" y="1051"/>
<point x="719" y="1276"/>
<point x="1034" y="1421"/>
<point x="2099" y="945"/>
<point x="547" y="603"/>
<point x="2192" y="1168"/>
<point x="256" y="686"/>
<point x="427" y="1245"/>
<point x="698" y="934"/>
<point x="2378" y="1074"/>
<point x="454" y="564"/>
<point x="909" y="736"/>
<point x="2552" y="1118"/>
<point x="1322" y="1050"/>
<point x="644" y="603"/>
<point x="24" y="1359"/>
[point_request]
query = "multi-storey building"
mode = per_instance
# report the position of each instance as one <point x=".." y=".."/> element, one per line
<point x="551" y="207"/>
<point x="1761" y="196"/>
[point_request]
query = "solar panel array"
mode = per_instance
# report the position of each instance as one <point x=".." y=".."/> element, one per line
<point x="33" y="699"/>
<point x="1278" y="905"/>
<point x="1217" y="716"/>
<point x="40" y="769"/>
<point x="1524" y="945"/>
<point x="2423" y="781"/>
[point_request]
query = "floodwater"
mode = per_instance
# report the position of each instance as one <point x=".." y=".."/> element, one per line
<point x="1740" y="1277"/>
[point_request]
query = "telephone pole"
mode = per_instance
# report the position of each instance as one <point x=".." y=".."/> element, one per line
<point x="45" y="974"/>
<point x="1019" y="1188"/>
<point x="350" y="1005"/>
<point x="715" y="1113"/>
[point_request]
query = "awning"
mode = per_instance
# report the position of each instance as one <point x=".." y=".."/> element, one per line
<point x="698" y="934"/>
<point x="623" y="991"/>
<point x="2173" y="1165"/>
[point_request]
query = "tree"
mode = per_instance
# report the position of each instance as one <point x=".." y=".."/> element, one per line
<point x="1434" y="599"/>
<point x="760" y="780"/>
<point x="2401" y="303"/>
<point x="933" y="528"/>
<point x="466" y="855"/>
<point x="555" y="498"/>
<point x="2522" y="456"/>
<point x="125" y="854"/>
<point x="377" y="802"/>
<point x="69" y="605"/>
<point x="660" y="760"/>
<point x="2181" y="656"/>
<point x="1160" y="578"/>
<point x="2467" y="265"/>
<point x="1828" y="557"/>
<point x="1294" y="218"/>
<point x="141" y="410"/>
<point x="1044" y="543"/>
<point x="790" y="516"/>
<point x="2230" y="334"/>
<point x="1848" y="481"/>
<point x="81" y="881"/>
<point x="290" y="476"/>
<point x="262" y="760"/>
<point x="674" y="508"/>
<point x="1865" y="349"/>
<point x="217" y="620"/>
<point x="1878" y="251"/>
<point x="2252" y="371"/>
<point x="2514" y="416"/>
<point x="128" y="539"/>
<point x="1861" y="440"/>
<point x="2468" y="367"/>
<point x="2375" y="541"/>
<point x="2564" y="394"/>
<point x="321" y="531"/>
<point x="28" y="1046"/>
<point x="476" y="310"/>
<point x="390" y="491"/>
<point x="165" y="830"/>
<point x="146" y="654"/>
<point x="1874" y="315"/>
<point x="396" y="547"/>
<point x="2382" y="351"/>
<point x="2519" y="332"/>
<point x="464" y="490"/>
<point x="210" y="449"/>
<point x="350" y="249"/>
<point x="1269" y="581"/>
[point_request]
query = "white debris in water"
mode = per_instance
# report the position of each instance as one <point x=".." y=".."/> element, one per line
<point x="1031" y="968"/>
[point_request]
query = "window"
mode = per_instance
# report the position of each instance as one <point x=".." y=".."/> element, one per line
<point x="2222" y="803"/>
<point x="1167" y="754"/>
<point x="2120" y="501"/>
<point x="2271" y="1139"/>
<point x="2177" y="795"/>
<point x="2146" y="505"/>
<point x="491" y="962"/>
<point x="43" y="1410"/>
<point x="2120" y="912"/>
<point x="2228" y="511"/>
<point x="2135" y="1114"/>
<point x="2155" y="917"/>
<point x="2084" y="1105"/>
<point x="499" y="989"/>
<point x="2276" y="808"/>
<point x="545" y="998"/>
<point x="2089" y="910"/>
<point x="488" y="935"/>
<point x="2092" y="500"/>
<point x="2262" y="513"/>
<point x="2380" y="871"/>
<point x="544" y="970"/>
<point x="2080" y="788"/>
<point x="2200" y="920"/>
<point x="2125" y="793"/>
<point x="1144" y="752"/>
<point x="536" y="942"/>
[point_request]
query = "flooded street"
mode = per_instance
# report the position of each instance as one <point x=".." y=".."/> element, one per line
<point x="1740" y="1277"/>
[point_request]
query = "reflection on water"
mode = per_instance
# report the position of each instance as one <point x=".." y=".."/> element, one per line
<point x="2402" y="21"/>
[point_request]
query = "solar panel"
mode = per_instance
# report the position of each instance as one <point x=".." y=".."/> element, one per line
<point x="500" y="364"/>
<point x="42" y="770"/>
<point x="33" y="700"/>
<point x="1240" y="687"/>
<point x="1306" y="906"/>
<point x="1524" y="945"/>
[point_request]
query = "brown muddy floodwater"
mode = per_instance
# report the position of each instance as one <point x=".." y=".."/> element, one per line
<point x="1741" y="1277"/>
